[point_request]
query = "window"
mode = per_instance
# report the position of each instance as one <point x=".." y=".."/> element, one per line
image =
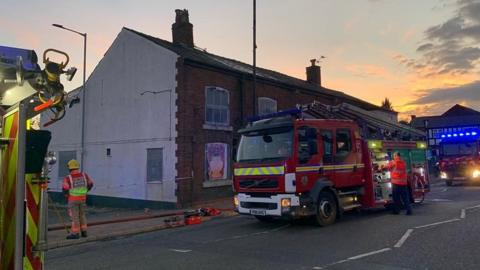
<point x="266" y="105"/>
<point x="217" y="161"/>
<point x="344" y="141"/>
<point x="63" y="158"/>
<point x="307" y="144"/>
<point x="327" y="145"/>
<point x="216" y="107"/>
<point x="154" y="164"/>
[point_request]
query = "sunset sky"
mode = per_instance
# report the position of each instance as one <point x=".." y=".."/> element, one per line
<point x="423" y="55"/>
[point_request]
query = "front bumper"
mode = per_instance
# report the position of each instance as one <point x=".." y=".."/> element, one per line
<point x="271" y="206"/>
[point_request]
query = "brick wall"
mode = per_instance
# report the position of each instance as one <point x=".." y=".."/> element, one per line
<point x="192" y="136"/>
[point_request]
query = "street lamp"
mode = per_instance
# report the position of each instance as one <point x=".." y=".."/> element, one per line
<point x="84" y="35"/>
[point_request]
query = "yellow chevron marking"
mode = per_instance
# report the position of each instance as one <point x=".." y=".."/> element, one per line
<point x="32" y="229"/>
<point x="259" y="171"/>
<point x="265" y="171"/>
<point x="26" y="264"/>
<point x="238" y="171"/>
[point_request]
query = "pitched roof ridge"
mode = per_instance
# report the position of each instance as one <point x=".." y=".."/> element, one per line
<point x="179" y="48"/>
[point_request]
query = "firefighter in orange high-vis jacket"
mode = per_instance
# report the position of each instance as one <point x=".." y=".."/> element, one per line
<point x="400" y="195"/>
<point x="75" y="187"/>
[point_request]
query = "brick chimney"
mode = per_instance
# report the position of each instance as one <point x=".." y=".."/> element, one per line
<point x="182" y="29"/>
<point x="314" y="74"/>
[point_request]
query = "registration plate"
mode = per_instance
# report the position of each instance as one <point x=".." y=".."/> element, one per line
<point x="257" y="212"/>
<point x="459" y="178"/>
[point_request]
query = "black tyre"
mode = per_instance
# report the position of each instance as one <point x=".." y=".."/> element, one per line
<point x="449" y="183"/>
<point x="265" y="219"/>
<point x="327" y="207"/>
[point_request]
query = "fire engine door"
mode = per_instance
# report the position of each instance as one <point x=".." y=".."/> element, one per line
<point x="309" y="157"/>
<point x="348" y="170"/>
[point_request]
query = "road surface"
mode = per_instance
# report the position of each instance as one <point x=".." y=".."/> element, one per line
<point x="443" y="233"/>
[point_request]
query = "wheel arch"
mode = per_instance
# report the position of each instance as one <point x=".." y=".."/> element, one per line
<point x="324" y="184"/>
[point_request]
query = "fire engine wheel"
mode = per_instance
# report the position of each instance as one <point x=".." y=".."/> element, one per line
<point x="326" y="209"/>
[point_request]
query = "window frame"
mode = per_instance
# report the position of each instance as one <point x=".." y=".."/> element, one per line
<point x="266" y="99"/>
<point x="216" y="106"/>
<point x="162" y="174"/>
<point x="350" y="144"/>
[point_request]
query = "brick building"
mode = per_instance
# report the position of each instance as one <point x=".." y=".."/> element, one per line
<point x="187" y="104"/>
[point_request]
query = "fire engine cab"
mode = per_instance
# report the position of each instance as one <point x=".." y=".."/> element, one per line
<point x="459" y="157"/>
<point x="322" y="160"/>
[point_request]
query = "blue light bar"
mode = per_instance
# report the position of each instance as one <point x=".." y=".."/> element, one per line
<point x="464" y="134"/>
<point x="291" y="112"/>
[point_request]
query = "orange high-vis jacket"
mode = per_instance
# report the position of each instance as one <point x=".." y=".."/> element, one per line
<point x="69" y="183"/>
<point x="398" y="171"/>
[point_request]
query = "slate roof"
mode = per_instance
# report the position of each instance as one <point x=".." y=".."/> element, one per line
<point x="459" y="110"/>
<point x="208" y="59"/>
<point x="456" y="116"/>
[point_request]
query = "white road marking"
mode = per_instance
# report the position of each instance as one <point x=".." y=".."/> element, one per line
<point x="443" y="190"/>
<point x="462" y="214"/>
<point x="368" y="254"/>
<point x="440" y="200"/>
<point x="317" y="267"/>
<point x="404" y="238"/>
<point x="181" y="250"/>
<point x="437" y="223"/>
<point x="353" y="258"/>
<point x="472" y="207"/>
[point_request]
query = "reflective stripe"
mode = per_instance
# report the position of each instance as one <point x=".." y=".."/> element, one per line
<point x="277" y="170"/>
<point x="78" y="186"/>
<point x="329" y="167"/>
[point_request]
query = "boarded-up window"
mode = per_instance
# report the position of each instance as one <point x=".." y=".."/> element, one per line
<point x="154" y="164"/>
<point x="63" y="158"/>
<point x="217" y="161"/>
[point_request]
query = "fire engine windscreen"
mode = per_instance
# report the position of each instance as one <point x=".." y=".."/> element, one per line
<point x="459" y="148"/>
<point x="268" y="144"/>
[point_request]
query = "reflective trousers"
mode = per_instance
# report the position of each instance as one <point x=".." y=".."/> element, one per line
<point x="400" y="196"/>
<point x="76" y="211"/>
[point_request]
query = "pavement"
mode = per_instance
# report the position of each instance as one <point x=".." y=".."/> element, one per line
<point x="112" y="223"/>
<point x="443" y="233"/>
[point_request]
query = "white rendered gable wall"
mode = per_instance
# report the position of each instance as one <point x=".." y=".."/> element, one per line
<point x="120" y="118"/>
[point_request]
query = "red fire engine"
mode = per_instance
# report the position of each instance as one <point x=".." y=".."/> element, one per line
<point x="459" y="157"/>
<point x="320" y="161"/>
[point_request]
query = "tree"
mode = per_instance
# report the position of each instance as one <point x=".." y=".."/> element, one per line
<point x="387" y="105"/>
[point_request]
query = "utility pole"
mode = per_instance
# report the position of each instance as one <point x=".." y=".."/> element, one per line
<point x="254" y="57"/>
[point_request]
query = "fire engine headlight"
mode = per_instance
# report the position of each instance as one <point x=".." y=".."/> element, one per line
<point x="443" y="175"/>
<point x="236" y="202"/>
<point x="476" y="173"/>
<point x="285" y="202"/>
